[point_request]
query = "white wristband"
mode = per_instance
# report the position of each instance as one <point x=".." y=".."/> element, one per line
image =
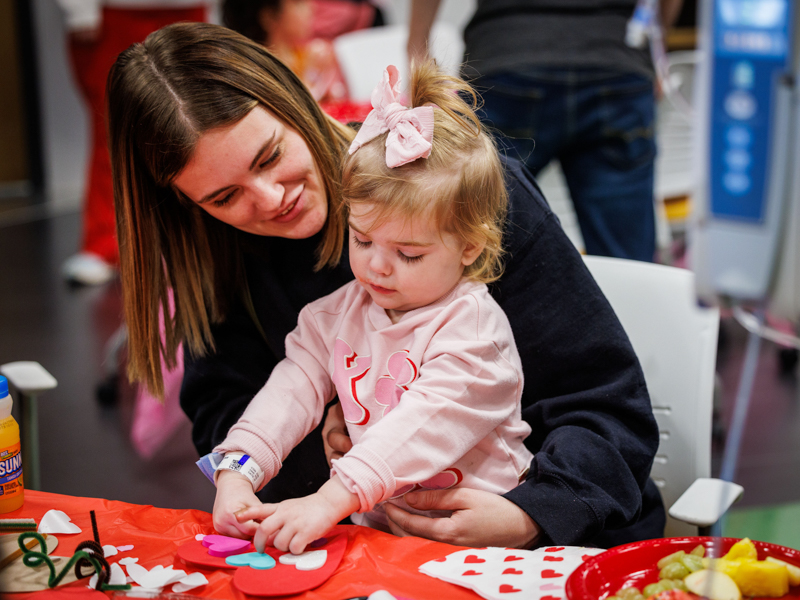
<point x="244" y="464"/>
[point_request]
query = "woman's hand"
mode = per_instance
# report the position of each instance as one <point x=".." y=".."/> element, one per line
<point x="234" y="494"/>
<point x="479" y="519"/>
<point x="334" y="434"/>
<point x="293" y="524"/>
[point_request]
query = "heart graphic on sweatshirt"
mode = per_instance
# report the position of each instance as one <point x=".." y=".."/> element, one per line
<point x="554" y="549"/>
<point x="553" y="558"/>
<point x="511" y="558"/>
<point x="470" y="572"/>
<point x="508" y="589"/>
<point x="512" y="571"/>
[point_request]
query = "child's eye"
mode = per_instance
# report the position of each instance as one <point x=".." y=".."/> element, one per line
<point x="411" y="259"/>
<point x="361" y="244"/>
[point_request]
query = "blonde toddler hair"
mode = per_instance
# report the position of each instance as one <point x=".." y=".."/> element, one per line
<point x="460" y="185"/>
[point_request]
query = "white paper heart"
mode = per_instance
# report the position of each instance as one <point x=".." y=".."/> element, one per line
<point x="128" y="560"/>
<point x="157" y="577"/>
<point x="191" y="581"/>
<point x="117" y="577"/>
<point x="56" y="521"/>
<point x="110" y="551"/>
<point x="199" y="537"/>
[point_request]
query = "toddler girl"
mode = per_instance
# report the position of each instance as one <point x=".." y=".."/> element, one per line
<point x="421" y="357"/>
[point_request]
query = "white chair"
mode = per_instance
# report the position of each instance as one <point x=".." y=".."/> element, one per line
<point x="676" y="342"/>
<point x="364" y="54"/>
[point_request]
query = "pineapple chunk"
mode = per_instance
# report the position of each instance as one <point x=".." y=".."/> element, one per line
<point x="794" y="572"/>
<point x="712" y="584"/>
<point x="744" y="548"/>
<point x="762" y="578"/>
<point x="724" y="565"/>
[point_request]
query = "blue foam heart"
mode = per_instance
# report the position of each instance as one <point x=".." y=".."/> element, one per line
<point x="254" y="560"/>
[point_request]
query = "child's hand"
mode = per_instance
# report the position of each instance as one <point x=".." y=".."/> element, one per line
<point x="293" y="524"/>
<point x="234" y="494"/>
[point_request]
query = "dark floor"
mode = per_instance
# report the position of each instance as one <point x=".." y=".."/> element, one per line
<point x="85" y="448"/>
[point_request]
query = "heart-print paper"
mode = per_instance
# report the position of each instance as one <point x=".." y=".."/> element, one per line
<point x="503" y="573"/>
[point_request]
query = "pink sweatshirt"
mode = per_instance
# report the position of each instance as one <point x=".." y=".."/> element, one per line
<point x="432" y="400"/>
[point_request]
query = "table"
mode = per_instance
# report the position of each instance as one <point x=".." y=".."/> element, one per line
<point x="373" y="560"/>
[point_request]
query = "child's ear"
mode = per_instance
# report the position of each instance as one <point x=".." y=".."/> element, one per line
<point x="471" y="253"/>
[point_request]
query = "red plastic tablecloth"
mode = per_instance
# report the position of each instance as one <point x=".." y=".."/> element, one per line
<point x="373" y="560"/>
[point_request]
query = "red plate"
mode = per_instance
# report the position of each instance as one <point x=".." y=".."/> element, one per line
<point x="635" y="564"/>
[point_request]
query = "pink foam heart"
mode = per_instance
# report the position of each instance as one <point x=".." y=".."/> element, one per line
<point x="444" y="480"/>
<point x="222" y="545"/>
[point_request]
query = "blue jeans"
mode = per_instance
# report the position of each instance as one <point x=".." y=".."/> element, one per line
<point x="599" y="125"/>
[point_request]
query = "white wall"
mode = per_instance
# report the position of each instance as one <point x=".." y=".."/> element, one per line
<point x="456" y="12"/>
<point x="64" y="120"/>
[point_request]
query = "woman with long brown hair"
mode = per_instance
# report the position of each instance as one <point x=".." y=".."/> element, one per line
<point x="227" y="190"/>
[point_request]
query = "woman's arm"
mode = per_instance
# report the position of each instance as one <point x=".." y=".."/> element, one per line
<point x="593" y="431"/>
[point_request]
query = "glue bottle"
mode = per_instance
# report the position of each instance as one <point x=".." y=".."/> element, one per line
<point x="12" y="493"/>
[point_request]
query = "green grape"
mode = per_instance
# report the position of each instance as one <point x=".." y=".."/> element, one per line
<point x="674" y="570"/>
<point x="699" y="550"/>
<point x="628" y="593"/>
<point x="671" y="558"/>
<point x="692" y="562"/>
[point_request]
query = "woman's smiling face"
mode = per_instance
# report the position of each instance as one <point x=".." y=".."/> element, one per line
<point x="259" y="176"/>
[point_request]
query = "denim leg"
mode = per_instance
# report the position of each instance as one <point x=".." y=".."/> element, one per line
<point x="609" y="167"/>
<point x="528" y="115"/>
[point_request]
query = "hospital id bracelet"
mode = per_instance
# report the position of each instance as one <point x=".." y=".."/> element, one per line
<point x="244" y="464"/>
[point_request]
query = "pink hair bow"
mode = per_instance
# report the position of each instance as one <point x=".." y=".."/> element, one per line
<point x="410" y="129"/>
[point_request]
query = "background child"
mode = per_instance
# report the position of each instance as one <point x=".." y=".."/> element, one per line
<point x="422" y="358"/>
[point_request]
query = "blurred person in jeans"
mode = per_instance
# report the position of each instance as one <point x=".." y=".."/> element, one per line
<point x="559" y="82"/>
<point x="98" y="31"/>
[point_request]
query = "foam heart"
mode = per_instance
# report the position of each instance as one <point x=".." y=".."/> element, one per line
<point x="473" y="559"/>
<point x="307" y="561"/>
<point x="254" y="560"/>
<point x="471" y="572"/>
<point x="223" y="545"/>
<point x="553" y="558"/>
<point x="512" y="571"/>
<point x="444" y="480"/>
<point x="549" y="574"/>
<point x="512" y="558"/>
<point x="286" y="580"/>
<point x="194" y="553"/>
<point x="57" y="521"/>
<point x="508" y="589"/>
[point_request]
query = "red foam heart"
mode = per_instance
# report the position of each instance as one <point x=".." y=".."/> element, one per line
<point x="553" y="558"/>
<point x="508" y="589"/>
<point x="473" y="559"/>
<point x="511" y="558"/>
<point x="554" y="549"/>
<point x="549" y="574"/>
<point x="512" y="571"/>
<point x="286" y="580"/>
<point x="194" y="553"/>
<point x="471" y="572"/>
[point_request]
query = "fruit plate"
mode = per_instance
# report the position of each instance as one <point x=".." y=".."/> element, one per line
<point x="635" y="564"/>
